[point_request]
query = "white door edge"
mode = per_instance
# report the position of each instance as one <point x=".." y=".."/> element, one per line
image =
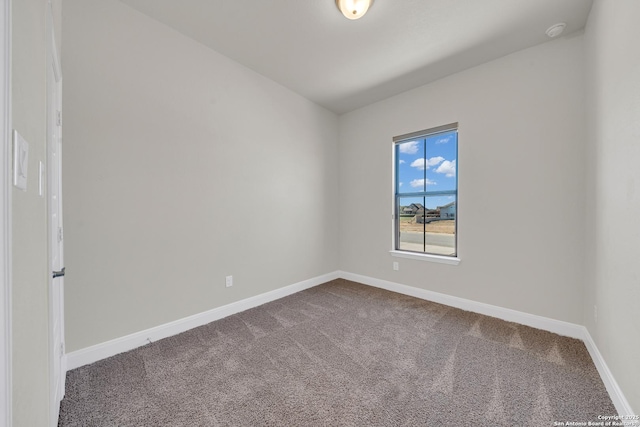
<point x="56" y="315"/>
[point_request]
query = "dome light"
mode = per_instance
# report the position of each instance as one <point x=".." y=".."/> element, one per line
<point x="353" y="9"/>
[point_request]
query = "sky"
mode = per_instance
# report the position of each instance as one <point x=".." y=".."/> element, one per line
<point x="439" y="163"/>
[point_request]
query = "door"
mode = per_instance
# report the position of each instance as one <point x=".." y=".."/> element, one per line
<point x="56" y="242"/>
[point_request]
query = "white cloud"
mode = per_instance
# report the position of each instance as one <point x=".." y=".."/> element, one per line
<point x="435" y="160"/>
<point x="444" y="140"/>
<point x="420" y="183"/>
<point x="410" y="147"/>
<point x="420" y="163"/>
<point x="448" y="168"/>
<point x="401" y="161"/>
<point x="400" y="184"/>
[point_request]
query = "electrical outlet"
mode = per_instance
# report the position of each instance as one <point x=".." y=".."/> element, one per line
<point x="228" y="281"/>
<point x="396" y="266"/>
<point x="595" y="313"/>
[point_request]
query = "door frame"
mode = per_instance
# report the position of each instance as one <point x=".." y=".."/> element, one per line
<point x="5" y="215"/>
<point x="55" y="355"/>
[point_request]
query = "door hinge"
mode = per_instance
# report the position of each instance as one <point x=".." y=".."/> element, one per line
<point x="58" y="117"/>
<point x="59" y="234"/>
<point x="61" y="349"/>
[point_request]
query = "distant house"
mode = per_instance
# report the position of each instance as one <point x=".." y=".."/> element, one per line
<point x="428" y="216"/>
<point x="448" y="210"/>
<point x="421" y="214"/>
<point x="413" y="209"/>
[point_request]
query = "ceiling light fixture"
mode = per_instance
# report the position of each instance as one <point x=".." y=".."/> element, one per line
<point x="556" y="30"/>
<point x="353" y="9"/>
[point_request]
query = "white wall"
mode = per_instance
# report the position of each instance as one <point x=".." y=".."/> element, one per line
<point x="5" y="214"/>
<point x="521" y="142"/>
<point x="181" y="167"/>
<point x="613" y="179"/>
<point x="30" y="316"/>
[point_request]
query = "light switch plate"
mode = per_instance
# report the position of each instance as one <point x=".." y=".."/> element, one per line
<point x="20" y="161"/>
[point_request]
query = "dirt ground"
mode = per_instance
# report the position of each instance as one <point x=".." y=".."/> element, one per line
<point x="446" y="227"/>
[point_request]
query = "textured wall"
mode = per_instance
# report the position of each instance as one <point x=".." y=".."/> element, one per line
<point x="521" y="144"/>
<point x="613" y="177"/>
<point x="182" y="167"/>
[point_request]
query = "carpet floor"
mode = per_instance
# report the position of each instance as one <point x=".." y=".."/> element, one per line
<point x="343" y="354"/>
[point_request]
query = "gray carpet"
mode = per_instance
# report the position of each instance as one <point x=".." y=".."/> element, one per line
<point x="343" y="354"/>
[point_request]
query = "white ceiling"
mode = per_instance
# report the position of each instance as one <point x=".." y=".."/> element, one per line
<point x="309" y="47"/>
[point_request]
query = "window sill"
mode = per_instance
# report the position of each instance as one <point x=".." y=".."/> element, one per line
<point x="426" y="257"/>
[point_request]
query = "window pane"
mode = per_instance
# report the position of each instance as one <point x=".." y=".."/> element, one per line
<point x="440" y="161"/>
<point x="427" y="224"/>
<point x="440" y="229"/>
<point x="411" y="225"/>
<point x="409" y="167"/>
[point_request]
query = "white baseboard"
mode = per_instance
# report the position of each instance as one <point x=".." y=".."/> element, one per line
<point x="101" y="351"/>
<point x="556" y="326"/>
<point x="111" y="348"/>
<point x="617" y="397"/>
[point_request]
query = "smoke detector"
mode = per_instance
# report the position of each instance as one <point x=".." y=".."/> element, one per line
<point x="556" y="29"/>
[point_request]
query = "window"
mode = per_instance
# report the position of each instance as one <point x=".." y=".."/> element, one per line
<point x="426" y="191"/>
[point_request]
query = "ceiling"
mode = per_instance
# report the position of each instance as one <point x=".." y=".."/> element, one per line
<point x="309" y="47"/>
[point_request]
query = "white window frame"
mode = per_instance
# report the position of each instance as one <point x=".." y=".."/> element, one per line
<point x="442" y="259"/>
